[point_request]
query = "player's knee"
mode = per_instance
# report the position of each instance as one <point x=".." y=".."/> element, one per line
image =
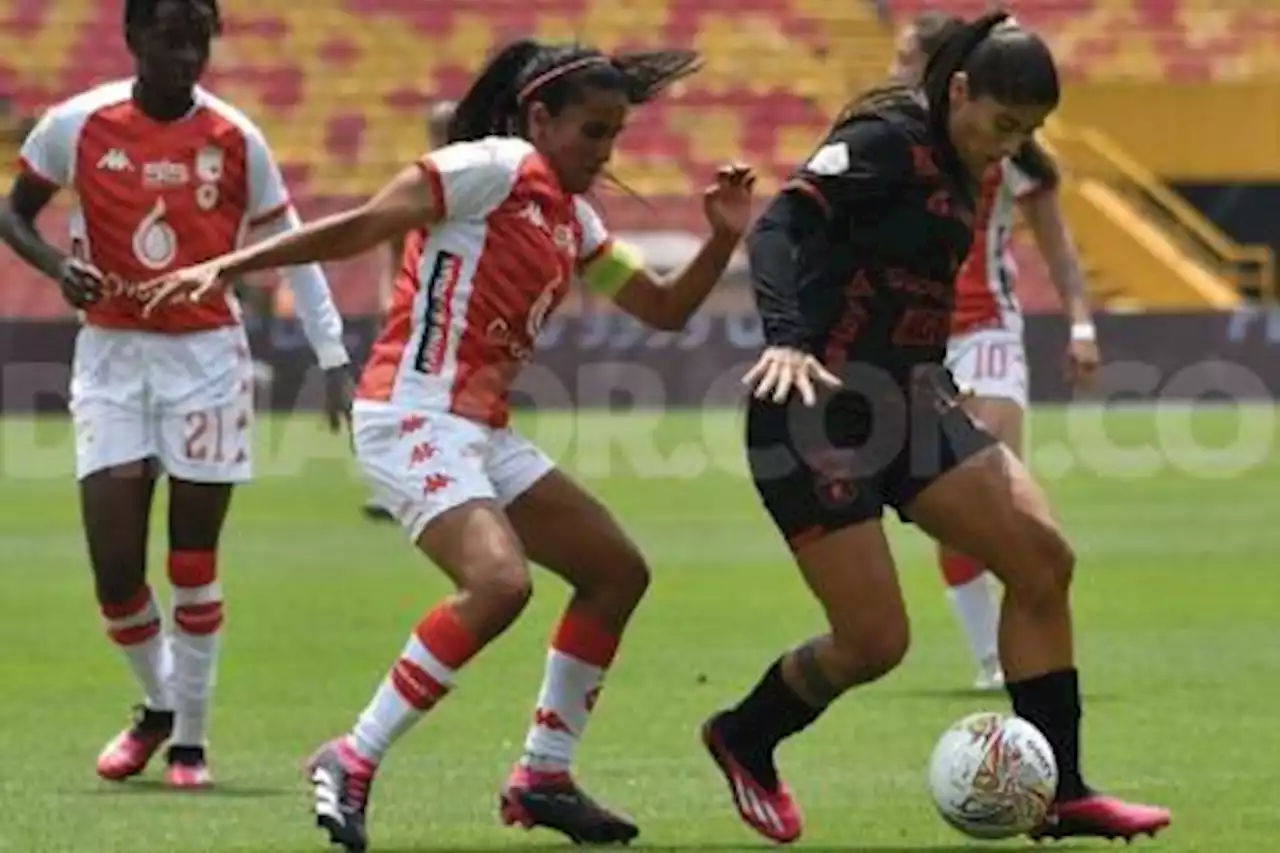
<point x="871" y="651"/>
<point x="630" y="578"/>
<point x="1051" y="560"/>
<point x="503" y="587"/>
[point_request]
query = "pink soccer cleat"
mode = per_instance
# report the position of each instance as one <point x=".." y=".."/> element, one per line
<point x="188" y="769"/>
<point x="1100" y="816"/>
<point x="130" y="751"/>
<point x="772" y="813"/>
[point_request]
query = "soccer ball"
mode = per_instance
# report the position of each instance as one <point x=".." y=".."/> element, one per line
<point x="993" y="776"/>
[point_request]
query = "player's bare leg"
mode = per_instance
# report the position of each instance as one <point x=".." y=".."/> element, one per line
<point x="115" y="505"/>
<point x="989" y="506"/>
<point x="197" y="513"/>
<point x="475" y="546"/>
<point x="974" y="591"/>
<point x="570" y="533"/>
<point x="852" y="574"/>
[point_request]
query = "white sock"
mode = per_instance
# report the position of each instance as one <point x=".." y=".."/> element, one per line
<point x="413" y="686"/>
<point x="136" y="629"/>
<point x="569" y="691"/>
<point x="197" y="620"/>
<point x="979" y="614"/>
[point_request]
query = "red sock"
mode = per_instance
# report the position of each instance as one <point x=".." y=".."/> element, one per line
<point x="958" y="569"/>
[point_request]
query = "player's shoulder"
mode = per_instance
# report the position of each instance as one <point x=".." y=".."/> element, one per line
<point x="234" y="117"/>
<point x="79" y="107"/>
<point x="500" y="153"/>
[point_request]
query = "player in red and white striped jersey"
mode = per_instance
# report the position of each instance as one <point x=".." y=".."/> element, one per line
<point x="986" y="353"/>
<point x="164" y="175"/>
<point x="497" y="232"/>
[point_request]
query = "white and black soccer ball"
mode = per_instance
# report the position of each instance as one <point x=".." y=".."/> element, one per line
<point x="993" y="776"/>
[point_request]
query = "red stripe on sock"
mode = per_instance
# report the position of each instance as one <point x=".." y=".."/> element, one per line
<point x="198" y="619"/>
<point x="583" y="637"/>
<point x="958" y="569"/>
<point x="415" y="685"/>
<point x="188" y="569"/>
<point x="448" y="640"/>
<point x="135" y="635"/>
<point x="131" y="606"/>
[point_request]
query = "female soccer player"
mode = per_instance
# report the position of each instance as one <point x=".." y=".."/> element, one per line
<point x="986" y="353"/>
<point x="165" y="175"/>
<point x="854" y="267"/>
<point x="497" y="229"/>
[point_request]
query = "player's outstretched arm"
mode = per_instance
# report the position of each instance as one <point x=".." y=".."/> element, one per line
<point x="407" y="202"/>
<point x="669" y="303"/>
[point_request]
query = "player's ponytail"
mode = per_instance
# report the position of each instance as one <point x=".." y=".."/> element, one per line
<point x="491" y="107"/>
<point x="1000" y="60"/>
<point x="526" y="72"/>
<point x="950" y="59"/>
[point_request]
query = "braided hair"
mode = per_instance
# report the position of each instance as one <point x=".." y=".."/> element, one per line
<point x="1011" y="65"/>
<point x="527" y="72"/>
<point x="141" y="13"/>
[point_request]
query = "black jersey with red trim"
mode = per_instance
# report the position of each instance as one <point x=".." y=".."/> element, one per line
<point x="855" y="260"/>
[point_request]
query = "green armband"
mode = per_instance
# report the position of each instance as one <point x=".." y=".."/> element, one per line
<point x="611" y="269"/>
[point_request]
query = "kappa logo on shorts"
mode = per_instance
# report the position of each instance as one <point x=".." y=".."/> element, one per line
<point x="412" y="424"/>
<point x="422" y="453"/>
<point x="433" y="483"/>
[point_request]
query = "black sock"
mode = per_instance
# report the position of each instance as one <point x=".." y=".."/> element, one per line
<point x="771" y="712"/>
<point x="1051" y="703"/>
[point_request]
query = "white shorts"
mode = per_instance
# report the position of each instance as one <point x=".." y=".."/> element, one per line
<point x="186" y="400"/>
<point x="421" y="464"/>
<point x="990" y="363"/>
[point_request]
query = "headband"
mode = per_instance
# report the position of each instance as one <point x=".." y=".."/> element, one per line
<point x="555" y="73"/>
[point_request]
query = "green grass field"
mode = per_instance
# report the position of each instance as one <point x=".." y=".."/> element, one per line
<point x="1178" y="594"/>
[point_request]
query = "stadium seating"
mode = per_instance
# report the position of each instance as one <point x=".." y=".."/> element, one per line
<point x="339" y="85"/>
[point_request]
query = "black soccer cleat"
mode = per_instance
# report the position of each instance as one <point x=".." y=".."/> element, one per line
<point x="342" y="781"/>
<point x="554" y="801"/>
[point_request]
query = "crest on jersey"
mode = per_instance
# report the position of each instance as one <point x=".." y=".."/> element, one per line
<point x="830" y="160"/>
<point x="209" y="163"/>
<point x="155" y="244"/>
<point x="207" y="196"/>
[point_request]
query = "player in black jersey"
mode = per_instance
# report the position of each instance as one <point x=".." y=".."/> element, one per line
<point x="853" y="266"/>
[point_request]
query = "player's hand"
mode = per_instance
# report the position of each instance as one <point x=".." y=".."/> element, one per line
<point x="727" y="202"/>
<point x="81" y="283"/>
<point x="192" y="284"/>
<point x="781" y="369"/>
<point x="1083" y="359"/>
<point x="338" y="391"/>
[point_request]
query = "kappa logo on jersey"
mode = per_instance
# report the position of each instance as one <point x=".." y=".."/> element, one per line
<point x="830" y="160"/>
<point x="444" y="281"/>
<point x="115" y="160"/>
<point x="532" y="214"/>
<point x="155" y="244"/>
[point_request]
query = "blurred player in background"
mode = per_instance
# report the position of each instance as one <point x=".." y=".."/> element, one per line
<point x="986" y="352"/>
<point x="498" y="230"/>
<point x="165" y="175"/>
<point x="438" y="117"/>
<point x="853" y="266"/>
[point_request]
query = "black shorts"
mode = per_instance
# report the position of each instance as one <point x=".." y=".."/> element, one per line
<point x="822" y="468"/>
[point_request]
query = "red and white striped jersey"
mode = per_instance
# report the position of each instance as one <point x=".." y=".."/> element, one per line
<point x="985" y="294"/>
<point x="152" y="197"/>
<point x="475" y="289"/>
